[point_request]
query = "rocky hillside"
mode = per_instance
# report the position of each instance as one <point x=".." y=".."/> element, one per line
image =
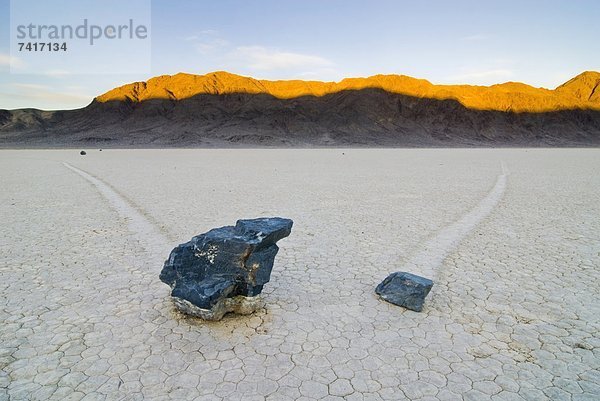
<point x="222" y="109"/>
<point x="579" y="92"/>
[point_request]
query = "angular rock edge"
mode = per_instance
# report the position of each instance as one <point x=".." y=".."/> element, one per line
<point x="405" y="289"/>
<point x="224" y="269"/>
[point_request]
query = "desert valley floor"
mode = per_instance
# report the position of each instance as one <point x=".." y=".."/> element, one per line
<point x="511" y="238"/>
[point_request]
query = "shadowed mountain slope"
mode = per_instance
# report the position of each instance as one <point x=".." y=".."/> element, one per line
<point x="579" y="92"/>
<point x="222" y="109"/>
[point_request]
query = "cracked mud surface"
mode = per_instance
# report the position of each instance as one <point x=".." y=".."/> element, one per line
<point x="513" y="315"/>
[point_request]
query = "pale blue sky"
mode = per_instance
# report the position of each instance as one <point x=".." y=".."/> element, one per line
<point x="542" y="43"/>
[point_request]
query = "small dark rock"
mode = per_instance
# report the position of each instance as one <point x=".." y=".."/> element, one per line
<point x="83" y="153"/>
<point x="224" y="269"/>
<point x="405" y="289"/>
<point x="99" y="150"/>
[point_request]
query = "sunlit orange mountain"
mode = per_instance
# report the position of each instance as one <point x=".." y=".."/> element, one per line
<point x="222" y="110"/>
<point x="580" y="92"/>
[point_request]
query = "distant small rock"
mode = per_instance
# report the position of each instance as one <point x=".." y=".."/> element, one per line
<point x="99" y="150"/>
<point x="405" y="289"/>
<point x="83" y="153"/>
<point x="224" y="269"/>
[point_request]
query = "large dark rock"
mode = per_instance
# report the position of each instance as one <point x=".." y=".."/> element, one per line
<point x="224" y="269"/>
<point x="405" y="289"/>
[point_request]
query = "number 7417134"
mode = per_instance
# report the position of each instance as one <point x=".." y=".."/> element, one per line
<point x="42" y="46"/>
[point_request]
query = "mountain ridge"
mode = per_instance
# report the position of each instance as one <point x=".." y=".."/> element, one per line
<point x="224" y="110"/>
<point x="579" y="92"/>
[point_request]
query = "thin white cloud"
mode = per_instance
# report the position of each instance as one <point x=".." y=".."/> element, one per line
<point x="478" y="37"/>
<point x="6" y="60"/>
<point x="207" y="41"/>
<point x="254" y="59"/>
<point x="57" y="73"/>
<point x="210" y="32"/>
<point x="201" y="34"/>
<point x="35" y="87"/>
<point x="17" y="95"/>
<point x="207" y="46"/>
<point x="321" y="74"/>
<point x="489" y="76"/>
<point x="262" y="58"/>
<point x="44" y="100"/>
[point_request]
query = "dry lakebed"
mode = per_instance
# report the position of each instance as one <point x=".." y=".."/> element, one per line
<point x="511" y="238"/>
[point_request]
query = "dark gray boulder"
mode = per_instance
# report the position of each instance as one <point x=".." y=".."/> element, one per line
<point x="405" y="289"/>
<point x="224" y="269"/>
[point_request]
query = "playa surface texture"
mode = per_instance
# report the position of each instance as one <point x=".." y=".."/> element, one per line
<point x="509" y="236"/>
